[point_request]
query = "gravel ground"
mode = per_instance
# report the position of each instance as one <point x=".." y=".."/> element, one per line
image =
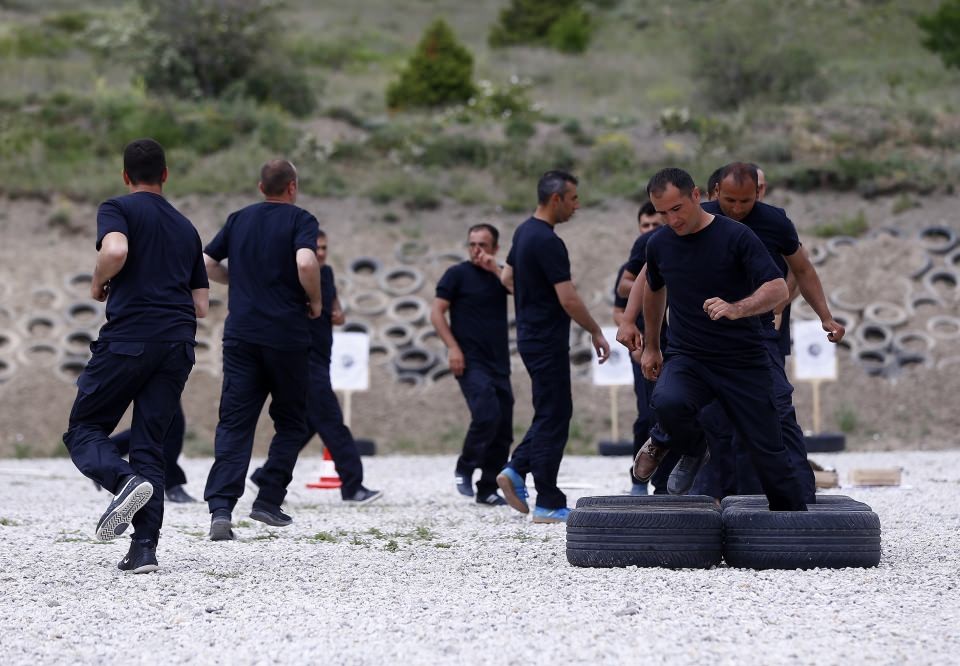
<point x="424" y="577"/>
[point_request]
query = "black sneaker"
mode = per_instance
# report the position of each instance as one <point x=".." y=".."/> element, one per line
<point x="682" y="477"/>
<point x="178" y="495"/>
<point x="271" y="515"/>
<point x="221" y="526"/>
<point x="364" y="496"/>
<point x="141" y="558"/>
<point x="493" y="499"/>
<point x="463" y="482"/>
<point x="135" y="492"/>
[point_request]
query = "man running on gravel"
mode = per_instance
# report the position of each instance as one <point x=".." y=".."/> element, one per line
<point x="718" y="278"/>
<point x="150" y="272"/>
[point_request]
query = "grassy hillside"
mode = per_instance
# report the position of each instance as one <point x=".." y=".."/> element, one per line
<point x="885" y="115"/>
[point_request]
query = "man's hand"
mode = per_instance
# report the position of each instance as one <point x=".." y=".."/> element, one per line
<point x="487" y="262"/>
<point x="651" y="362"/>
<point x="337" y="317"/>
<point x="835" y="330"/>
<point x="636" y="356"/>
<point x="456" y="362"/>
<point x="601" y="346"/>
<point x="717" y="308"/>
<point x="315" y="309"/>
<point x="99" y="292"/>
<point x="629" y="335"/>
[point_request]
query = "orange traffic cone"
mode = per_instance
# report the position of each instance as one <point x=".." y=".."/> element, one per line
<point x="329" y="478"/>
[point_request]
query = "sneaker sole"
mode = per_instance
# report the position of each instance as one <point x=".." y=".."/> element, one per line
<point x="369" y="500"/>
<point x="542" y="520"/>
<point x="268" y="519"/>
<point x="221" y="531"/>
<point x="118" y="520"/>
<point x="510" y="494"/>
<point x="142" y="569"/>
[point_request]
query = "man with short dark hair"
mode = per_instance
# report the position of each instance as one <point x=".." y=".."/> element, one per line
<point x="719" y="278"/>
<point x="150" y="272"/>
<point x="479" y="357"/>
<point x="324" y="416"/>
<point x="538" y="273"/>
<point x="274" y="283"/>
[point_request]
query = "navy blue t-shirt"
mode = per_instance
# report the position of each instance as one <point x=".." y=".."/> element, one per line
<point x="478" y="315"/>
<point x="267" y="304"/>
<point x="726" y="260"/>
<point x="779" y="235"/>
<point x="321" y="328"/>
<point x="150" y="299"/>
<point x="638" y="253"/>
<point x="618" y="300"/>
<point x="539" y="259"/>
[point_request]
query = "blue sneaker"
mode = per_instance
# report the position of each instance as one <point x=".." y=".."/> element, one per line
<point x="542" y="515"/>
<point x="514" y="489"/>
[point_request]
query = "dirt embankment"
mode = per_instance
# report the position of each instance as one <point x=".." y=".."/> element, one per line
<point x="908" y="400"/>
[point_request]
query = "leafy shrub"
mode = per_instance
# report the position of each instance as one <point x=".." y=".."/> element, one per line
<point x="454" y="150"/>
<point x="942" y="32"/>
<point x="519" y="128"/>
<point x="198" y="48"/>
<point x="559" y="24"/>
<point x="855" y="225"/>
<point x="440" y="72"/>
<point x="737" y="61"/>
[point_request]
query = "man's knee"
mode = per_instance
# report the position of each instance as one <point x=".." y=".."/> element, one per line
<point x="671" y="408"/>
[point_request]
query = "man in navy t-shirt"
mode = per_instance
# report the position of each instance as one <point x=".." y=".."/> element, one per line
<point x="150" y="272"/>
<point x="648" y="221"/>
<point x="324" y="416"/>
<point x="479" y="357"/>
<point x="538" y="273"/>
<point x="274" y="279"/>
<point x="719" y="278"/>
<point x="738" y="193"/>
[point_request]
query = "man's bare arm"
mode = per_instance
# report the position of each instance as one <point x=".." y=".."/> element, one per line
<point x="201" y="302"/>
<point x="654" y="308"/>
<point x="571" y="303"/>
<point x="506" y="278"/>
<point x="762" y="300"/>
<point x="438" y="317"/>
<point x="110" y="260"/>
<point x="216" y="271"/>
<point x="626" y="284"/>
<point x="627" y="332"/>
<point x="810" y="287"/>
<point x="308" y="272"/>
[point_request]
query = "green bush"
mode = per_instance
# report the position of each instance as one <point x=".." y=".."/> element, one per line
<point x="559" y="24"/>
<point x="942" y="32"/>
<point x="519" y="128"/>
<point x="854" y="225"/>
<point x="455" y="150"/>
<point x="737" y="61"/>
<point x="440" y="72"/>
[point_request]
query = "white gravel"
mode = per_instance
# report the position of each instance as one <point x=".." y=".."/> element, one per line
<point x="425" y="577"/>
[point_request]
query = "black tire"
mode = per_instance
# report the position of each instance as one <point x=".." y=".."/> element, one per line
<point x="646" y="501"/>
<point x="609" y="448"/>
<point x="675" y="538"/>
<point x="937" y="239"/>
<point x="825" y="442"/>
<point x="366" y="447"/>
<point x="823" y="502"/>
<point x="400" y="281"/>
<point x="759" y="539"/>
<point x="364" y="267"/>
<point x="414" y="360"/>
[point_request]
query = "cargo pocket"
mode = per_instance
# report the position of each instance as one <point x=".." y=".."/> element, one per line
<point x="190" y="352"/>
<point x="133" y="349"/>
<point x="87" y="384"/>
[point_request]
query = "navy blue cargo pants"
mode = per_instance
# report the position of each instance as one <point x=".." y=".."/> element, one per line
<point x="486" y="445"/>
<point x="172" y="447"/>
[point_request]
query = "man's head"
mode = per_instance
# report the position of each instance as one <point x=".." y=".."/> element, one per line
<point x="675" y="196"/>
<point x="712" y="183"/>
<point x="648" y="218"/>
<point x="278" y="180"/>
<point x="557" y="195"/>
<point x="738" y="190"/>
<point x="144" y="163"/>
<point x="482" y="238"/>
<point x="322" y="247"/>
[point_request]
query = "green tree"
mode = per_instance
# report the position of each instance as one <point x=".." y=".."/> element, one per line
<point x="439" y="72"/>
<point x="560" y="24"/>
<point x="942" y="30"/>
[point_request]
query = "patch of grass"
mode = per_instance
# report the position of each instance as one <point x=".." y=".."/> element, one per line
<point x="244" y="523"/>
<point x="198" y="534"/>
<point x="422" y="533"/>
<point x="443" y="545"/>
<point x="264" y="536"/>
<point x="392" y="546"/>
<point x="8" y="522"/>
<point x="903" y="203"/>
<point x="325" y="537"/>
<point x="522" y="537"/>
<point x="846" y="418"/>
<point x="222" y="574"/>
<point x="854" y="225"/>
<point x="22" y="450"/>
<point x="357" y="541"/>
<point x="376" y="533"/>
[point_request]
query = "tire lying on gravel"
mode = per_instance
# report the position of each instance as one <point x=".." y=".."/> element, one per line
<point x="369" y="303"/>
<point x="85" y="314"/>
<point x="944" y="327"/>
<point x="675" y="537"/>
<point x="937" y="239"/>
<point x="408" y="309"/>
<point x="821" y="537"/>
<point x="835" y="501"/>
<point x="9" y="341"/>
<point x="872" y="335"/>
<point x="411" y="251"/>
<point x="364" y="267"/>
<point x="401" y="281"/>
<point x="398" y="335"/>
<point x="610" y="448"/>
<point x="825" y="442"/>
<point x="648" y="500"/>
<point x="886" y="314"/>
<point x="845" y="298"/>
<point x="943" y="282"/>
<point x="415" y="360"/>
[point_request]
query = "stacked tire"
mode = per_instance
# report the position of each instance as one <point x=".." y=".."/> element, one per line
<point x="681" y="532"/>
